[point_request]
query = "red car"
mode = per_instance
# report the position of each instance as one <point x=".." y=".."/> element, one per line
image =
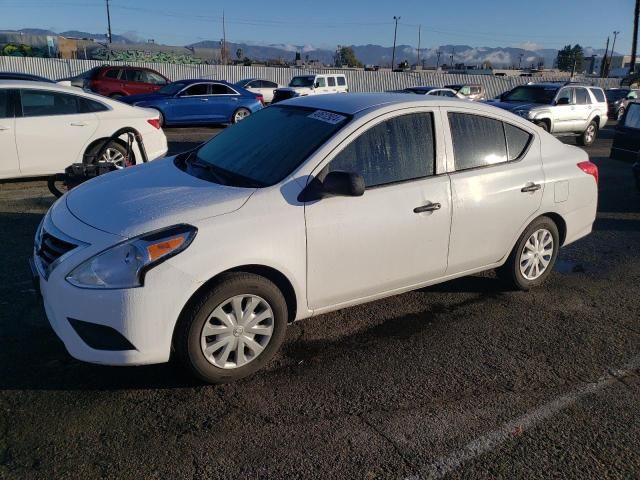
<point x="120" y="81"/>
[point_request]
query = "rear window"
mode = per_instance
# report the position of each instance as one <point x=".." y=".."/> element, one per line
<point x="599" y="94"/>
<point x="342" y="81"/>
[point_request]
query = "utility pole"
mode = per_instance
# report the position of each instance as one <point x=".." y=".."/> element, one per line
<point x="438" y="61"/>
<point x="395" y="33"/>
<point x="453" y="56"/>
<point x="224" y="41"/>
<point x="520" y="62"/>
<point x="634" y="40"/>
<point x="613" y="47"/>
<point x="603" y="65"/>
<point x="420" y="28"/>
<point x="108" y="23"/>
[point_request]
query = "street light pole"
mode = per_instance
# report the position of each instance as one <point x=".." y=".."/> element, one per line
<point x="615" y="35"/>
<point x="634" y="40"/>
<point x="395" y="33"/>
<point x="108" y="23"/>
<point x="438" y="61"/>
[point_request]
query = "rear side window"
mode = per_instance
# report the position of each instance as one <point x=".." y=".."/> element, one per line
<point x="477" y="141"/>
<point x="39" y="103"/>
<point x="332" y="81"/>
<point x="134" y="75"/>
<point x="112" y="73"/>
<point x="396" y="150"/>
<point x="582" y="97"/>
<point x="220" y="89"/>
<point x="342" y="81"/>
<point x="599" y="94"/>
<point x="90" y="106"/>
<point x="5" y="107"/>
<point x="517" y="141"/>
<point x="267" y="84"/>
<point x="475" y="90"/>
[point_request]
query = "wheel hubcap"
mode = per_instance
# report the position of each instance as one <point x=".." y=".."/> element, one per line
<point x="536" y="254"/>
<point x="237" y="331"/>
<point x="591" y="133"/>
<point x="241" y="115"/>
<point x="114" y="156"/>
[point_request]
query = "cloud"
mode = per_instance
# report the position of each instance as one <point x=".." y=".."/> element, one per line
<point x="533" y="46"/>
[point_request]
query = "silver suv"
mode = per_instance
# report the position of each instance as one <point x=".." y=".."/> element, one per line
<point x="559" y="108"/>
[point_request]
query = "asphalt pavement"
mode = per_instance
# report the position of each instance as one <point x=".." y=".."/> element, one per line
<point x="460" y="380"/>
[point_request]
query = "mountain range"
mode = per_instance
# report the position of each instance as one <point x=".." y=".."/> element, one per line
<point x="367" y="54"/>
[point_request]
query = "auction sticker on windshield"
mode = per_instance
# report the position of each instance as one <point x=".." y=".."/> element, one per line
<point x="328" y="117"/>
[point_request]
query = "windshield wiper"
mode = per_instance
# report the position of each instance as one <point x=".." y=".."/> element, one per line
<point x="213" y="172"/>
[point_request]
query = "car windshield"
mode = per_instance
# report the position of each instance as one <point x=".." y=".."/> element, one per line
<point x="615" y="94"/>
<point x="266" y="147"/>
<point x="532" y="94"/>
<point x="306" y="81"/>
<point x="172" y="88"/>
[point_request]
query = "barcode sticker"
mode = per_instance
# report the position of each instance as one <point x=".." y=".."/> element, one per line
<point x="328" y="117"/>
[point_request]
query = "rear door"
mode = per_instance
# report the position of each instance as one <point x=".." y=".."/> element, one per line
<point x="136" y="82"/>
<point x="564" y="116"/>
<point x="9" y="166"/>
<point x="224" y="101"/>
<point x="497" y="183"/>
<point x="583" y="108"/>
<point x="52" y="132"/>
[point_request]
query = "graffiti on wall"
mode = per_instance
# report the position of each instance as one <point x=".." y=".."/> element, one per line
<point x="145" y="57"/>
<point x="21" y="50"/>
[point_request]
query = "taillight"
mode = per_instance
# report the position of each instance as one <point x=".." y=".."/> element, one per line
<point x="590" y="169"/>
<point x="154" y="122"/>
<point x="260" y="98"/>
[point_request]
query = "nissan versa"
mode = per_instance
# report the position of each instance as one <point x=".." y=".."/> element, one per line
<point x="308" y="206"/>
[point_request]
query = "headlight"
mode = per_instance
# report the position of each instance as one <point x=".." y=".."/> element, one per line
<point x="125" y="264"/>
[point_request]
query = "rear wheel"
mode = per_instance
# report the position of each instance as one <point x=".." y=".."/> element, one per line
<point x="240" y="114"/>
<point x="115" y="154"/>
<point x="589" y="135"/>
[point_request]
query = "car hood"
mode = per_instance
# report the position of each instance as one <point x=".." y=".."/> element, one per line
<point x="144" y="97"/>
<point x="511" y="106"/>
<point x="147" y="197"/>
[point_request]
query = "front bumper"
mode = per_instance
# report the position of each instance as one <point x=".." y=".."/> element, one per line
<point x="144" y="316"/>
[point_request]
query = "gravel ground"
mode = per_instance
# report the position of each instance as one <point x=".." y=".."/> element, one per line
<point x="460" y="380"/>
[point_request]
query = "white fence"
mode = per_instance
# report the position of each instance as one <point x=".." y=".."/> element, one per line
<point x="358" y="80"/>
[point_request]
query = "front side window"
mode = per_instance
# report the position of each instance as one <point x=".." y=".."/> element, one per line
<point x="477" y="141"/>
<point x="321" y="82"/>
<point x="396" y="150"/>
<point x="198" y="89"/>
<point x="465" y="90"/>
<point x="239" y="156"/>
<point x="565" y="93"/>
<point x="39" y="103"/>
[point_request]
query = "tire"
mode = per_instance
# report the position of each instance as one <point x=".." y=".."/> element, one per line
<point x="225" y="363"/>
<point x="515" y="272"/>
<point x="240" y="114"/>
<point x="116" y="153"/>
<point x="543" y="125"/>
<point x="116" y="96"/>
<point x="589" y="136"/>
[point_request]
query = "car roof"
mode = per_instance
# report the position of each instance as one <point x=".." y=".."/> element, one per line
<point x="424" y="87"/>
<point x="34" y="84"/>
<point x="353" y="103"/>
<point x="189" y="81"/>
<point x="23" y="76"/>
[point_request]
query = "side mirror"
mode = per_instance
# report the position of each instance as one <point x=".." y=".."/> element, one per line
<point x="335" y="184"/>
<point x="563" y="101"/>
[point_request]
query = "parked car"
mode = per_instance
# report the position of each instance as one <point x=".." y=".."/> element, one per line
<point x="439" y="92"/>
<point x="260" y="87"/>
<point x="212" y="253"/>
<point x="23" y="76"/>
<point x="626" y="143"/>
<point x="559" y="108"/>
<point x="471" y="91"/>
<point x="304" y="85"/>
<point x="189" y="102"/>
<point x="45" y="127"/>
<point x="617" y="99"/>
<point x="119" y="81"/>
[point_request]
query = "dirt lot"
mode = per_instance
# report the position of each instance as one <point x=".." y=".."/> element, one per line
<point x="461" y="380"/>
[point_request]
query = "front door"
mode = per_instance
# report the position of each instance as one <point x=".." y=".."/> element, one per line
<point x="193" y="104"/>
<point x="9" y="166"/>
<point x="497" y="183"/>
<point x="397" y="234"/>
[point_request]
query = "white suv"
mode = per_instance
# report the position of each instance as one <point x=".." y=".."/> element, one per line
<point x="211" y="254"/>
<point x="559" y="108"/>
<point x="304" y="85"/>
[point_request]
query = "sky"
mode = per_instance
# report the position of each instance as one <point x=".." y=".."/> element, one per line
<point x="327" y="23"/>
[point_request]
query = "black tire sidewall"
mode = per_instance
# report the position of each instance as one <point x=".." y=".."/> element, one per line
<point x="191" y="324"/>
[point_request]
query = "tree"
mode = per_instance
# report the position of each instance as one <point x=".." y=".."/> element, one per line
<point x="570" y="56"/>
<point x="346" y="56"/>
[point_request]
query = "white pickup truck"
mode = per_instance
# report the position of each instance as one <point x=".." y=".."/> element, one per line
<point x="304" y="85"/>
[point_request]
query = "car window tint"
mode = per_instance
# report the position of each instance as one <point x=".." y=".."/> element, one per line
<point x="321" y="82"/>
<point x="90" y="106"/>
<point x="342" y="81"/>
<point x="517" y="141"/>
<point x="582" y="97"/>
<point x="398" y="149"/>
<point x="4" y="104"/>
<point x="565" y="93"/>
<point x="270" y="84"/>
<point x="197" y="89"/>
<point x="465" y="90"/>
<point x="477" y="141"/>
<point x="632" y="119"/>
<point x="38" y="103"/>
<point x="599" y="94"/>
<point x="154" y="78"/>
<point x="332" y="81"/>
<point x="220" y="89"/>
<point x="113" y="73"/>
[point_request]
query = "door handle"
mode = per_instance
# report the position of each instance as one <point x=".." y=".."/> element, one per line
<point x="429" y="207"/>
<point x="204" y="99"/>
<point x="78" y="124"/>
<point x="531" y="187"/>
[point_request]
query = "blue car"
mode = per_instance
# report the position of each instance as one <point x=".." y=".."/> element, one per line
<point x="190" y="102"/>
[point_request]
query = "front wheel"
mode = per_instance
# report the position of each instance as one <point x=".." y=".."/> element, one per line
<point x="533" y="256"/>
<point x="543" y="125"/>
<point x="587" y="137"/>
<point x="232" y="330"/>
<point x="240" y="114"/>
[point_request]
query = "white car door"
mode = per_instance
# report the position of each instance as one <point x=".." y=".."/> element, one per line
<point x="497" y="183"/>
<point x="583" y="108"/>
<point x="9" y="167"/>
<point x="52" y="132"/>
<point x="394" y="236"/>
<point x="564" y="111"/>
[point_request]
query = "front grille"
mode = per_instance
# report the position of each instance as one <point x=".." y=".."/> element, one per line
<point x="282" y="95"/>
<point x="52" y="248"/>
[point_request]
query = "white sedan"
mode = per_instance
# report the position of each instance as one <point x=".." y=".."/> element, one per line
<point x="262" y="87"/>
<point x="212" y="253"/>
<point x="45" y="127"/>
